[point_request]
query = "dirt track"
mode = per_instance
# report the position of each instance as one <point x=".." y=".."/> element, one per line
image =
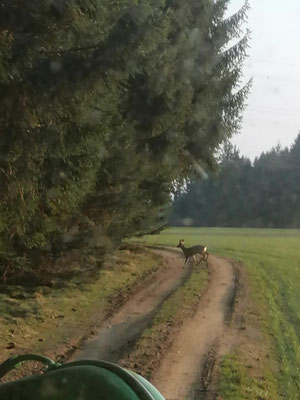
<point x="179" y="371"/>
<point x="119" y="333"/>
<point x="183" y="370"/>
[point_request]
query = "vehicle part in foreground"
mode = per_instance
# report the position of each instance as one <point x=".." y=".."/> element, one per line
<point x="82" y="380"/>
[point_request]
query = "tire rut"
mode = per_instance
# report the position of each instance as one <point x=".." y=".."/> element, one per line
<point x="187" y="369"/>
<point x="118" y="334"/>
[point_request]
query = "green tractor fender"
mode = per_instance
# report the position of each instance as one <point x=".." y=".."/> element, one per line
<point x="80" y="380"/>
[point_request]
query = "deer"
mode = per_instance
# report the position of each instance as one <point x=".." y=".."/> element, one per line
<point x="192" y="251"/>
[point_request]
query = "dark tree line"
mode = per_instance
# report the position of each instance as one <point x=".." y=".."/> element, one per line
<point x="103" y="106"/>
<point x="263" y="194"/>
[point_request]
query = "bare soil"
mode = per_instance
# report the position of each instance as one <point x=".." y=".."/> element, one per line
<point x="179" y="370"/>
<point x="187" y="362"/>
<point x="186" y="366"/>
<point x="119" y="333"/>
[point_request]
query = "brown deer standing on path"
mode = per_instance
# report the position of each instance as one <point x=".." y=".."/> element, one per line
<point x="192" y="251"/>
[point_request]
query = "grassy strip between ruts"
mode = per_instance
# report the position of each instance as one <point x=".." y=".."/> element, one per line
<point x="52" y="320"/>
<point x="156" y="340"/>
<point x="271" y="258"/>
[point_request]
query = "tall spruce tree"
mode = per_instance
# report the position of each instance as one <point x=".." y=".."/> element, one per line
<point x="103" y="106"/>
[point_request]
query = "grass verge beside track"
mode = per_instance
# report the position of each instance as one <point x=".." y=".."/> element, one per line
<point x="272" y="261"/>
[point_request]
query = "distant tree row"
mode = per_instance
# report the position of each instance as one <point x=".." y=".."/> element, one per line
<point x="263" y="194"/>
<point x="103" y="106"/>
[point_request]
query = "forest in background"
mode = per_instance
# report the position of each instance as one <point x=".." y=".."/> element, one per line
<point x="105" y="108"/>
<point x="263" y="194"/>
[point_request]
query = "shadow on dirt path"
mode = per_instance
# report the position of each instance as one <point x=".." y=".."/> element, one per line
<point x="119" y="333"/>
<point x="186" y="372"/>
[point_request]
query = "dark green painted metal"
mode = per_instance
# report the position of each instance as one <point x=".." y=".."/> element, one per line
<point x="152" y="389"/>
<point x="81" y="380"/>
<point x="15" y="361"/>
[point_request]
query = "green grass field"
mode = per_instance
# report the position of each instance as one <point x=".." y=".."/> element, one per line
<point x="272" y="260"/>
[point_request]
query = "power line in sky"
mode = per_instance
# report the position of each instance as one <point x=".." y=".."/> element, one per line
<point x="269" y="78"/>
<point x="270" y="61"/>
<point x="274" y="111"/>
<point x="274" y="115"/>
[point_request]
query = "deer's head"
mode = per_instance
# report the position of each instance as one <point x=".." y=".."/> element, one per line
<point x="180" y="244"/>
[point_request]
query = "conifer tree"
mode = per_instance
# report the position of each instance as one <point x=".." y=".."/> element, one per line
<point x="103" y="106"/>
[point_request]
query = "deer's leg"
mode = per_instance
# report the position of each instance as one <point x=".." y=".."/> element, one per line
<point x="207" y="256"/>
<point x="202" y="257"/>
<point x="185" y="261"/>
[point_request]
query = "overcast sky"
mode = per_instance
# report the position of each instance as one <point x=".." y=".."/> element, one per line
<point x="273" y="112"/>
